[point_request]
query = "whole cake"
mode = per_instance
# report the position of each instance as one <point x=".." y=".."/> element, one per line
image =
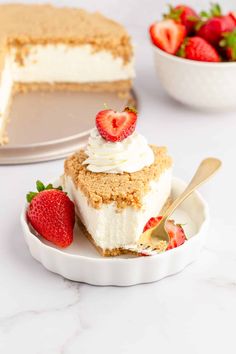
<point x="118" y="182"/>
<point x="48" y="48"/>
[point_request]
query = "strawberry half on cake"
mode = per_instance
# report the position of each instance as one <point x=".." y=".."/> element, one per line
<point x="118" y="182"/>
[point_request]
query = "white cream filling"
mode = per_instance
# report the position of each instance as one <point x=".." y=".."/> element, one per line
<point x="5" y="89"/>
<point x="111" y="229"/>
<point x="61" y="63"/>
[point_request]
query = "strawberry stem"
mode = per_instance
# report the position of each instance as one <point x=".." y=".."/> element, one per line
<point x="131" y="109"/>
<point x="215" y="11"/>
<point x="40" y="188"/>
<point x="30" y="196"/>
<point x="174" y="14"/>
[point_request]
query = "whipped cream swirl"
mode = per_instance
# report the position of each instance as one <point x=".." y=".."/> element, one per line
<point x="129" y="155"/>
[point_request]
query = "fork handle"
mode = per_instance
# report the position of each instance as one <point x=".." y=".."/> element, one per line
<point x="206" y="169"/>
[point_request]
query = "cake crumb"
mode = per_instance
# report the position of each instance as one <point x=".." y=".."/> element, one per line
<point x="126" y="189"/>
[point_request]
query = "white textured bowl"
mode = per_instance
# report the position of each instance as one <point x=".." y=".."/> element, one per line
<point x="200" y="84"/>
<point x="81" y="262"/>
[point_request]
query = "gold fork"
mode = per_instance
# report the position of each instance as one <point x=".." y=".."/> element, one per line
<point x="157" y="239"/>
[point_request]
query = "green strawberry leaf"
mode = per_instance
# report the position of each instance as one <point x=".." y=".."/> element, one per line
<point x="204" y="14"/>
<point x="229" y="42"/>
<point x="173" y="14"/>
<point x="192" y="18"/>
<point x="40" y="186"/>
<point x="30" y="196"/>
<point x="215" y="10"/>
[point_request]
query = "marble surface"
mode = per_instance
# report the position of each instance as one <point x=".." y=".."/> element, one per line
<point x="192" y="312"/>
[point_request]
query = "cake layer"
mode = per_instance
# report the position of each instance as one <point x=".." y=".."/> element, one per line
<point x="50" y="45"/>
<point x="112" y="229"/>
<point x="22" y="24"/>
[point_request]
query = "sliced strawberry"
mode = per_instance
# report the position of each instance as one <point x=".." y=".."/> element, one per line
<point x="167" y="35"/>
<point x="116" y="126"/>
<point x="152" y="222"/>
<point x="196" y="48"/>
<point x="185" y="15"/>
<point x="176" y="234"/>
<point x="229" y="44"/>
<point x="52" y="214"/>
<point x="175" y="231"/>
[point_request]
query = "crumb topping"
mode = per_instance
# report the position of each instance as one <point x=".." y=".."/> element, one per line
<point x="22" y="25"/>
<point x="125" y="189"/>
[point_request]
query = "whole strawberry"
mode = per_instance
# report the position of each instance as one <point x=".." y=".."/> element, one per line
<point x="214" y="24"/>
<point x="185" y="15"/>
<point x="175" y="231"/>
<point x="228" y="43"/>
<point x="196" y="48"/>
<point x="52" y="214"/>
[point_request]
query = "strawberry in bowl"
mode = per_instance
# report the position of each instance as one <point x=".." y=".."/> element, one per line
<point x="214" y="24"/>
<point x="168" y="35"/>
<point x="185" y="15"/>
<point x="194" y="56"/>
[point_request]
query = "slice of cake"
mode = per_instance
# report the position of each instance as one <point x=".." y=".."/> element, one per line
<point x="118" y="182"/>
<point x="46" y="48"/>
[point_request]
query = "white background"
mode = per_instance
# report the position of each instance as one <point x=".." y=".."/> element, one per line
<point x="192" y="312"/>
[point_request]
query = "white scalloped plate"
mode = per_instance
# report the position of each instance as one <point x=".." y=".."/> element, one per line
<point x="81" y="262"/>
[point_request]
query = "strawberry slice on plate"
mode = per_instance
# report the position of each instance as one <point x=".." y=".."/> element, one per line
<point x="116" y="126"/>
<point x="175" y="231"/>
<point x="167" y="35"/>
<point x="52" y="214"/>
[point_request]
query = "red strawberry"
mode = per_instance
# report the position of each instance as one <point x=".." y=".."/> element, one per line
<point x="196" y="48"/>
<point x="175" y="231"/>
<point x="52" y="214"/>
<point x="213" y="29"/>
<point x="116" y="126"/>
<point x="152" y="222"/>
<point x="167" y="35"/>
<point x="229" y="44"/>
<point x="185" y="15"/>
<point x="216" y="24"/>
<point x="233" y="15"/>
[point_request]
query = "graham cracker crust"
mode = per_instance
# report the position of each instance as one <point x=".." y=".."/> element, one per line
<point x="115" y="251"/>
<point x="126" y="189"/>
<point x="120" y="86"/>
